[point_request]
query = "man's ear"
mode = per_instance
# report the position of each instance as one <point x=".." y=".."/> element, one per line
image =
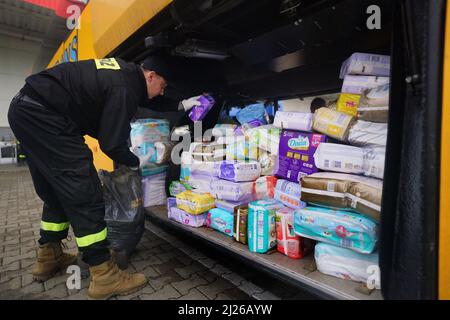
<point x="149" y="75"/>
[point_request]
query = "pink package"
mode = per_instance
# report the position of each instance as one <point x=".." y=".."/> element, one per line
<point x="265" y="187"/>
<point x="296" y="154"/>
<point x="183" y="217"/>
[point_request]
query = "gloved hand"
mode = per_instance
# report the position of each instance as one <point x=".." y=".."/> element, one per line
<point x="188" y="104"/>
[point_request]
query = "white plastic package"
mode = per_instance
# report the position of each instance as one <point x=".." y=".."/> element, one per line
<point x="366" y="64"/>
<point x="154" y="190"/>
<point x="339" y="158"/>
<point x="293" y="120"/>
<point x="364" y="133"/>
<point x="232" y="191"/>
<point x="237" y="171"/>
<point x="201" y="183"/>
<point x="376" y="97"/>
<point x="374" y="159"/>
<point x="358" y="84"/>
<point x="288" y="193"/>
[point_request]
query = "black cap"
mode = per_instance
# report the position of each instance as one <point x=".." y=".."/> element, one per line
<point x="163" y="66"/>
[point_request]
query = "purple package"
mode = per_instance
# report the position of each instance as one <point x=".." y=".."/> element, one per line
<point x="296" y="154"/>
<point x="178" y="215"/>
<point x="198" y="113"/>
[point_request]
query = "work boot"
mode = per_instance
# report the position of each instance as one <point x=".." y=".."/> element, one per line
<point x="107" y="280"/>
<point x="50" y="260"/>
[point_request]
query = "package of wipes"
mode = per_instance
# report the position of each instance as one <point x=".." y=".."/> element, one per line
<point x="359" y="84"/>
<point x="265" y="187"/>
<point x="293" y="120"/>
<point x="288" y="193"/>
<point x="183" y="217"/>
<point x="342" y="228"/>
<point x="220" y="220"/>
<point x="237" y="171"/>
<point x="332" y="123"/>
<point x="231" y="191"/>
<point x="348" y="103"/>
<point x="365" y="134"/>
<point x="347" y="264"/>
<point x="261" y="225"/>
<point x="366" y="64"/>
<point x="295" y="155"/>
<point x="195" y="203"/>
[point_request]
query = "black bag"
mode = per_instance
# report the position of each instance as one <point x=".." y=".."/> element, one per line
<point x="124" y="211"/>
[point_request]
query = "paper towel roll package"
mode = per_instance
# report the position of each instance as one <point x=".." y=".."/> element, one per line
<point x="183" y="217"/>
<point x="333" y="123"/>
<point x="220" y="220"/>
<point x="342" y="228"/>
<point x="366" y="64"/>
<point x="195" y="203"/>
<point x="261" y="225"/>
<point x="365" y="134"/>
<point x="237" y="171"/>
<point x="295" y="155"/>
<point x="288" y="193"/>
<point x="232" y="191"/>
<point x="347" y="264"/>
<point x="293" y="120"/>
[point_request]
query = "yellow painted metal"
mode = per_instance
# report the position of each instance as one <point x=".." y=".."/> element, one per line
<point x="444" y="206"/>
<point x="116" y="21"/>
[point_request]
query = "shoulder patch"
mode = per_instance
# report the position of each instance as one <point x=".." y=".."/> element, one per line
<point x="107" y="63"/>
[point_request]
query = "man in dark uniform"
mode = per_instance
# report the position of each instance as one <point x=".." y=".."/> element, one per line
<point x="50" y="116"/>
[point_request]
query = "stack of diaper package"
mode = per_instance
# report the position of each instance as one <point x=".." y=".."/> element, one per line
<point x="150" y="142"/>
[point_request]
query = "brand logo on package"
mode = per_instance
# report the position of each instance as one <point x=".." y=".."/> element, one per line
<point x="300" y="143"/>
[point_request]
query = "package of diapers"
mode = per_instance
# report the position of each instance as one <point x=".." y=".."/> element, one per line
<point x="332" y="123"/>
<point x="265" y="138"/>
<point x="265" y="187"/>
<point x="296" y="154"/>
<point x="348" y="103"/>
<point x="344" y="191"/>
<point x="223" y="130"/>
<point x="374" y="158"/>
<point x="365" y="134"/>
<point x="201" y="183"/>
<point x="232" y="191"/>
<point x="359" y="84"/>
<point x="154" y="190"/>
<point x="293" y="120"/>
<point x="347" y="264"/>
<point x="230" y="206"/>
<point x="220" y="220"/>
<point x="288" y="242"/>
<point x="268" y="163"/>
<point x="240" y="224"/>
<point x="237" y="151"/>
<point x="237" y="171"/>
<point x="376" y="97"/>
<point x="373" y="114"/>
<point x="198" y="113"/>
<point x="195" y="203"/>
<point x="149" y="131"/>
<point x="366" y="64"/>
<point x="177" y="187"/>
<point x="261" y="225"/>
<point x="288" y="193"/>
<point x="339" y="158"/>
<point x="252" y="112"/>
<point x="342" y="228"/>
<point x="183" y="217"/>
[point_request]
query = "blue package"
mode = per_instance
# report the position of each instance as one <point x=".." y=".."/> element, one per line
<point x="220" y="220"/>
<point x="346" y="229"/>
<point x="252" y="112"/>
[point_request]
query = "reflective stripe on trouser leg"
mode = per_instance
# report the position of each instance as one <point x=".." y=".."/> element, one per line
<point x="56" y="227"/>
<point x="91" y="239"/>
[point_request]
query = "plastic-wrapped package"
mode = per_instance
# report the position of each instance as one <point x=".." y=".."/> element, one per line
<point x="365" y="134"/>
<point x="205" y="151"/>
<point x="195" y="203"/>
<point x="288" y="242"/>
<point x="348" y="103"/>
<point x="251" y="125"/>
<point x="265" y="187"/>
<point x="198" y="113"/>
<point x="268" y="163"/>
<point x="229" y="206"/>
<point x="339" y="158"/>
<point x="295" y="155"/>
<point x="152" y="169"/>
<point x="252" y="112"/>
<point x="201" y="183"/>
<point x="154" y="190"/>
<point x="376" y="97"/>
<point x="220" y="220"/>
<point x="374" y="114"/>
<point x="293" y="120"/>
<point x="344" y="191"/>
<point x="240" y="224"/>
<point x="261" y="225"/>
<point x="347" y="264"/>
<point x="237" y="171"/>
<point x="374" y="159"/>
<point x="183" y="217"/>
<point x="265" y="138"/>
<point x="149" y="131"/>
<point x="177" y="187"/>
<point x="185" y="171"/>
<point x="288" y="193"/>
<point x="342" y="228"/>
<point x="366" y="64"/>
<point x="237" y="151"/>
<point x="223" y="130"/>
<point x="232" y="191"/>
<point x="358" y="84"/>
<point x="202" y="168"/>
<point x="333" y="123"/>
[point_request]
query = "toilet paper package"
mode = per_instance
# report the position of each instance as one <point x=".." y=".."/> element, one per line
<point x="364" y="134"/>
<point x="195" y="203"/>
<point x="240" y="224"/>
<point x="342" y="228"/>
<point x="288" y="242"/>
<point x="333" y="123"/>
<point x="366" y="64"/>
<point x="295" y="155"/>
<point x="177" y="187"/>
<point x="265" y="187"/>
<point x="220" y="220"/>
<point x="231" y="191"/>
<point x="347" y="264"/>
<point x="293" y="120"/>
<point x="237" y="171"/>
<point x="358" y="84"/>
<point x="288" y="193"/>
<point x="261" y="225"/>
<point x="183" y="217"/>
<point x="154" y="190"/>
<point x="344" y="192"/>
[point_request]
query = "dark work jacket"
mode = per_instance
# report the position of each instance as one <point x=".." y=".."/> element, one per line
<point x="100" y="100"/>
